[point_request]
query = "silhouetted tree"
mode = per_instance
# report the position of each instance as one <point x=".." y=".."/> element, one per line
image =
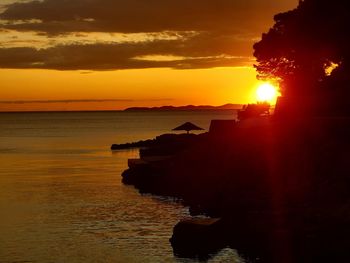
<point x="254" y="110"/>
<point x="303" y="47"/>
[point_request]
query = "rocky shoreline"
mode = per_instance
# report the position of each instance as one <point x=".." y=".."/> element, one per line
<point x="277" y="190"/>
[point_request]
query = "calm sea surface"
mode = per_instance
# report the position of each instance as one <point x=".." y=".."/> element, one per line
<point x="61" y="196"/>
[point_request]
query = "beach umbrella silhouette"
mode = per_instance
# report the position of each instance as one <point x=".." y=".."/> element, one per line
<point x="188" y="126"/>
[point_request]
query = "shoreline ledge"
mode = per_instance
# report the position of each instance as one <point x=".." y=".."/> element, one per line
<point x="132" y="145"/>
<point x="278" y="189"/>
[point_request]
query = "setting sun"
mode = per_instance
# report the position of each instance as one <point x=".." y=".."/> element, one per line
<point x="267" y="92"/>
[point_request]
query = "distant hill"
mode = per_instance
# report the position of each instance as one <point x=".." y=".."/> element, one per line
<point x="187" y="108"/>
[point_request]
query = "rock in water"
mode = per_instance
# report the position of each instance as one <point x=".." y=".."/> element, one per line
<point x="197" y="238"/>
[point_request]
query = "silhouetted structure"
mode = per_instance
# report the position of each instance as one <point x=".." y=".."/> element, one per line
<point x="222" y="127"/>
<point x="188" y="126"/>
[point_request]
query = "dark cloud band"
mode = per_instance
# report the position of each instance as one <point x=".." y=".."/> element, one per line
<point x="200" y="52"/>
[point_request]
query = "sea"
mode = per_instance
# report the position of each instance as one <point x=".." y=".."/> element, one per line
<point x="61" y="195"/>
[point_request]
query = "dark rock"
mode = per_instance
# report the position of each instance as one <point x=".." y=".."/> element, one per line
<point x="197" y="238"/>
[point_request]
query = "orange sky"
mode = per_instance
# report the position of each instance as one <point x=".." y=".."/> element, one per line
<point x="50" y="62"/>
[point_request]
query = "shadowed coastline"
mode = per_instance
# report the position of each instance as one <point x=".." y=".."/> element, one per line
<point x="279" y="188"/>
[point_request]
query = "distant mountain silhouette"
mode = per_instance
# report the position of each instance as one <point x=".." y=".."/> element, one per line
<point x="188" y="107"/>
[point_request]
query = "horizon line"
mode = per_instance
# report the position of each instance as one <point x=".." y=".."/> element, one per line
<point x="77" y="101"/>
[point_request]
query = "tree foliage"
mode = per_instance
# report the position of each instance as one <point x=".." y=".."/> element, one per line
<point x="304" y="45"/>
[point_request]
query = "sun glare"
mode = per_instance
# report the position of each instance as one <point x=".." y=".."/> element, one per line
<point x="267" y="92"/>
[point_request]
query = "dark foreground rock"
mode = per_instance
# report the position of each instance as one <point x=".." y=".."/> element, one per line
<point x="281" y="189"/>
<point x="197" y="238"/>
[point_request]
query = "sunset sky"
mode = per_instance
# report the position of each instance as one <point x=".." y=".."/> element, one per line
<point x="113" y="54"/>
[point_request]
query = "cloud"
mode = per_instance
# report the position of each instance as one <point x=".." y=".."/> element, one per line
<point x="202" y="51"/>
<point x="200" y="33"/>
<point x="130" y="16"/>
